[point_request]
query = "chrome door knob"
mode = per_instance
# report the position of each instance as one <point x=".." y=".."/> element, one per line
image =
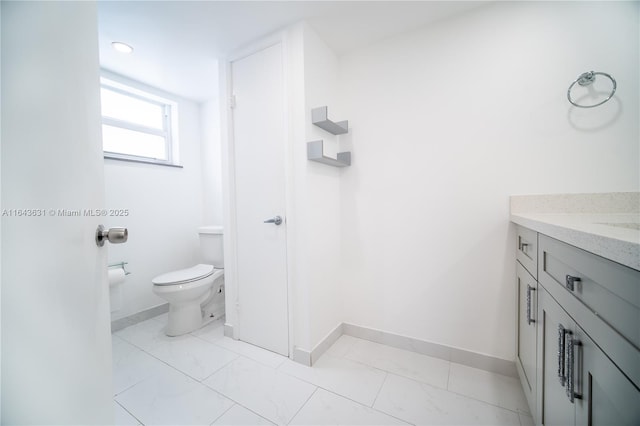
<point x="113" y="235"/>
<point x="277" y="220"/>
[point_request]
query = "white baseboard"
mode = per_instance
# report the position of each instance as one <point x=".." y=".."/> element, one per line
<point x="301" y="356"/>
<point x="125" y="322"/>
<point x="326" y="343"/>
<point x="228" y="330"/>
<point x="448" y="353"/>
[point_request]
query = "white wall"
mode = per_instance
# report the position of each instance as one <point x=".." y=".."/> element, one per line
<point x="313" y="221"/>
<point x="166" y="209"/>
<point x="317" y="194"/>
<point x="446" y="123"/>
<point x="211" y="162"/>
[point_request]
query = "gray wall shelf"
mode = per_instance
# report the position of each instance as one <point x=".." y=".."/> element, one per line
<point x="315" y="149"/>
<point x="319" y="117"/>
<point x="315" y="153"/>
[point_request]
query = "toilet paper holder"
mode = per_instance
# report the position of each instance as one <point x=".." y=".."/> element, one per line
<point x="120" y="265"/>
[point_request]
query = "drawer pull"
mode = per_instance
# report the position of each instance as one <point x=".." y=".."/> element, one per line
<point x="569" y="344"/>
<point x="570" y="282"/>
<point x="529" y="290"/>
<point x="561" y="335"/>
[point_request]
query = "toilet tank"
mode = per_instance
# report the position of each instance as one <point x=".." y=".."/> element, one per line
<point x="211" y="245"/>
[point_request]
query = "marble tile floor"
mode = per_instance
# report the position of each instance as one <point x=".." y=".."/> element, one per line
<point x="204" y="378"/>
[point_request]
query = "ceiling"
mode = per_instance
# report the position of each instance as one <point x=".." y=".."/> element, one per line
<point x="178" y="43"/>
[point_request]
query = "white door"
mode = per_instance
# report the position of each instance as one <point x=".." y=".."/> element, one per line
<point x="259" y="137"/>
<point x="56" y="342"/>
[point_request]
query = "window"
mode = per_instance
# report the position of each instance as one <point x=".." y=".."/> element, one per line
<point x="137" y="126"/>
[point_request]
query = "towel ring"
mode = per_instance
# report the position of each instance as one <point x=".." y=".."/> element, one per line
<point x="587" y="78"/>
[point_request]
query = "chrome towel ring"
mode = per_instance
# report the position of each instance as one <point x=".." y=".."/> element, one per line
<point x="587" y="78"/>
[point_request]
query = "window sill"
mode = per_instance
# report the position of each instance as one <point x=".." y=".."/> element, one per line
<point x="141" y="161"/>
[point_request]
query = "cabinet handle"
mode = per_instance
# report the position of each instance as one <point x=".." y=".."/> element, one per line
<point x="570" y="344"/>
<point x="570" y="282"/>
<point x="561" y="334"/>
<point x="523" y="246"/>
<point x="529" y="290"/>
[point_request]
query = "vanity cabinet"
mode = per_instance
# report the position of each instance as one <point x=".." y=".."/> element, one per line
<point x="578" y="340"/>
<point x="527" y="286"/>
<point x="580" y="385"/>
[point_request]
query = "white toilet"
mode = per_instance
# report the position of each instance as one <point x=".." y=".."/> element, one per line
<point x="189" y="290"/>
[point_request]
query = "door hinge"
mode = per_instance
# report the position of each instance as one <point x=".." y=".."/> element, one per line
<point x="232" y="101"/>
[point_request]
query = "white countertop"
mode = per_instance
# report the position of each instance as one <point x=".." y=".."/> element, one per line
<point x="614" y="235"/>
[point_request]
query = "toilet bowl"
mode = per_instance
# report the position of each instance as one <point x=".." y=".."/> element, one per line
<point x="188" y="290"/>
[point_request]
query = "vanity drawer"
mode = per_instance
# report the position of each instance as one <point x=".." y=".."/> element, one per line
<point x="610" y="290"/>
<point x="527" y="249"/>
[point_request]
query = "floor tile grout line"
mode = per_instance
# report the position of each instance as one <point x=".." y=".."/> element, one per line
<point x="129" y="387"/>
<point x="379" y="390"/>
<point x="257" y="414"/>
<point x="520" y="419"/>
<point x="169" y="365"/>
<point x="242" y="354"/>
<point x="225" y="411"/>
<point x="130" y="413"/>
<point x="305" y="403"/>
<point x="253" y="359"/>
<point x="364" y="405"/>
<point x="228" y="364"/>
<point x="236" y="402"/>
<point x="323" y="388"/>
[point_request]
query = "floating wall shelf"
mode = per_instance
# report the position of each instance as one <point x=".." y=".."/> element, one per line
<point x="315" y="153"/>
<point x="320" y="119"/>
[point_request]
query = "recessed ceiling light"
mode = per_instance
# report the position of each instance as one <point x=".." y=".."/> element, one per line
<point x="121" y="47"/>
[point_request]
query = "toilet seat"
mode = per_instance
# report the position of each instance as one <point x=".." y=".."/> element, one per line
<point x="184" y="276"/>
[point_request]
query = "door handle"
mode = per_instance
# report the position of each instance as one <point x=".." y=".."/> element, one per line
<point x="113" y="235"/>
<point x="571" y="281"/>
<point x="276" y="220"/>
<point x="529" y="290"/>
<point x="561" y="336"/>
<point x="569" y="346"/>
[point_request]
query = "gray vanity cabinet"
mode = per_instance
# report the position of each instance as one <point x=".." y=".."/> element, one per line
<point x="526" y="338"/>
<point x="579" y="384"/>
<point x="607" y="396"/>
<point x="527" y="286"/>
<point x="554" y="406"/>
<point x="578" y="338"/>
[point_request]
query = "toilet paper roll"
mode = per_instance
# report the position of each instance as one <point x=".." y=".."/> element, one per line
<point x="115" y="276"/>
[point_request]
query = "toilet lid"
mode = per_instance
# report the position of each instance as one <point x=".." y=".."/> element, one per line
<point x="184" y="275"/>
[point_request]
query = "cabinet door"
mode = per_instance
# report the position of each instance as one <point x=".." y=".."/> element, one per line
<point x="554" y="407"/>
<point x="607" y="397"/>
<point x="526" y="349"/>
